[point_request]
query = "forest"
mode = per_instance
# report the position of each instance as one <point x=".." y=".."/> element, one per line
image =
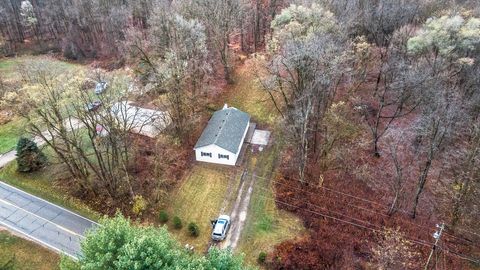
<point x="374" y="106"/>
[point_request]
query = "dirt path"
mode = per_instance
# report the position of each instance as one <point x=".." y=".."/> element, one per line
<point x="231" y="191"/>
<point x="239" y="212"/>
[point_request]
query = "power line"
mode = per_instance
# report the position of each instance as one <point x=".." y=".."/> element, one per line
<point x="361" y="208"/>
<point x="466" y="242"/>
<point x="460" y="229"/>
<point x="300" y="189"/>
<point x="414" y="241"/>
<point x="337" y="213"/>
<point x="458" y="255"/>
<point x="367" y="210"/>
<point x="359" y="198"/>
<point x="354" y="206"/>
<point x="329" y="189"/>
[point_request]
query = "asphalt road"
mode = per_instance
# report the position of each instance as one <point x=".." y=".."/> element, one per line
<point x="42" y="221"/>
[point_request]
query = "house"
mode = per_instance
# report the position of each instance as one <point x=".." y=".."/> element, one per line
<point x="222" y="139"/>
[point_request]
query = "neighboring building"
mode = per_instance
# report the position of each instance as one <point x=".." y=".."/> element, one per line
<point x="138" y="120"/>
<point x="222" y="139"/>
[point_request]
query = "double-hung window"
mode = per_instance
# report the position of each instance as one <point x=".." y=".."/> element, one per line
<point x="220" y="156"/>
<point x="204" y="154"/>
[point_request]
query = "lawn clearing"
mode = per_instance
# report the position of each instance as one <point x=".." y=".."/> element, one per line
<point x="266" y="225"/>
<point x="10" y="133"/>
<point x="9" y="66"/>
<point x="41" y="184"/>
<point x="10" y="75"/>
<point x="199" y="199"/>
<point x="25" y="254"/>
<point x="248" y="95"/>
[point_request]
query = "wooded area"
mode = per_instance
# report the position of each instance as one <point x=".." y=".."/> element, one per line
<point x="377" y="105"/>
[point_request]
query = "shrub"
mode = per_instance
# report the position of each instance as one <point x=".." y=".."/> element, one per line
<point x="29" y="157"/>
<point x="163" y="216"/>
<point x="193" y="229"/>
<point x="262" y="256"/>
<point x="177" y="223"/>
<point x="139" y="205"/>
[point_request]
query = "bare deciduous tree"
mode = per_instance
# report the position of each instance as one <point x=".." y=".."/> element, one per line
<point x="435" y="127"/>
<point x="466" y="185"/>
<point x="175" y="61"/>
<point x="92" y="142"/>
<point x="396" y="90"/>
<point x="220" y="19"/>
<point x="304" y="73"/>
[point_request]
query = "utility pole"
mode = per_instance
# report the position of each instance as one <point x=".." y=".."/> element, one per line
<point x="437" y="236"/>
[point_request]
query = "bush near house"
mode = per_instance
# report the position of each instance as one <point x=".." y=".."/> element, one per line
<point x="262" y="257"/>
<point x="139" y="205"/>
<point x="193" y="229"/>
<point x="163" y="216"/>
<point x="177" y="223"/>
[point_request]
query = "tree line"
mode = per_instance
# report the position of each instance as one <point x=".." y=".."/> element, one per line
<point x="408" y="72"/>
<point x="95" y="28"/>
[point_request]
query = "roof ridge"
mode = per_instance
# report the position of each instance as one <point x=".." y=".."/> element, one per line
<point x="222" y="125"/>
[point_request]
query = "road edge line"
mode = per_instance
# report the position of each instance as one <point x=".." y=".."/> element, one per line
<point x="38" y="240"/>
<point x="71" y="212"/>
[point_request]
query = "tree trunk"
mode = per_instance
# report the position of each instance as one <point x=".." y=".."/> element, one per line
<point x="421" y="185"/>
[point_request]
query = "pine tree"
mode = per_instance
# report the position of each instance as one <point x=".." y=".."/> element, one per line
<point x="29" y="156"/>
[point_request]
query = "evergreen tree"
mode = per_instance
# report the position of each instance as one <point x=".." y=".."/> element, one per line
<point x="29" y="157"/>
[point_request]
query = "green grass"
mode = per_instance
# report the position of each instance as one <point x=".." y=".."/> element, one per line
<point x="26" y="254"/>
<point x="10" y="133"/>
<point x="248" y="95"/>
<point x="198" y="200"/>
<point x="8" y="66"/>
<point x="42" y="184"/>
<point x="266" y="225"/>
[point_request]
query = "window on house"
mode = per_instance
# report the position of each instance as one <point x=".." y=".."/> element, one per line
<point x="203" y="154"/>
<point x="223" y="156"/>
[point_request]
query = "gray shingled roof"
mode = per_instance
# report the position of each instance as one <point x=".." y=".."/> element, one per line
<point x="225" y="129"/>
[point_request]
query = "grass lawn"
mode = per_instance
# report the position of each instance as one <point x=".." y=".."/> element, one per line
<point x="26" y="254"/>
<point x="10" y="133"/>
<point x="198" y="200"/>
<point x="41" y="184"/>
<point x="8" y="66"/>
<point x="266" y="225"/>
<point x="248" y="95"/>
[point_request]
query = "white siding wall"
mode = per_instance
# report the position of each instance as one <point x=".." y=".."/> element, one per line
<point x="215" y="150"/>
